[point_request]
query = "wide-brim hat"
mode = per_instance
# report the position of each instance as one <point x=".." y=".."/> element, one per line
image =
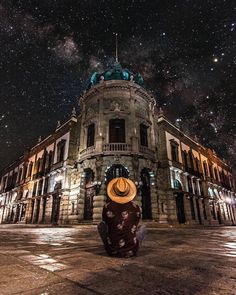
<point x="121" y="190"/>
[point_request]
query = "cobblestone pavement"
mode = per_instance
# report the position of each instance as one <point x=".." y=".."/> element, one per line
<point x="71" y="260"/>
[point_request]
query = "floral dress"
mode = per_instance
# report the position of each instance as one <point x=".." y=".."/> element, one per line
<point x="122" y="221"/>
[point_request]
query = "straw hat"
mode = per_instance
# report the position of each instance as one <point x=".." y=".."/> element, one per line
<point x="121" y="190"/>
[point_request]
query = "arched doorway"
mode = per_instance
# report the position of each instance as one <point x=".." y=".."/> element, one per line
<point x="146" y="194"/>
<point x="90" y="191"/>
<point x="116" y="170"/>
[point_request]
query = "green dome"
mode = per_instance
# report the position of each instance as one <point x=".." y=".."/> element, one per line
<point x="115" y="73"/>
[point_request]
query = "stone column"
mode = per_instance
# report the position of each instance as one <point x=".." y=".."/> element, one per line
<point x="48" y="209"/>
<point x="82" y="131"/>
<point x="64" y="209"/>
<point x="80" y="206"/>
<point x="40" y="210"/>
<point x="98" y="203"/>
<point x="154" y="201"/>
<point x="100" y="135"/>
<point x="151" y="113"/>
<point x="134" y="126"/>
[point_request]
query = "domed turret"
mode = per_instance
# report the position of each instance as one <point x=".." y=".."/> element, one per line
<point x="115" y="72"/>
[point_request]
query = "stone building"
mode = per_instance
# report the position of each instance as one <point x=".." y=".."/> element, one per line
<point x="63" y="178"/>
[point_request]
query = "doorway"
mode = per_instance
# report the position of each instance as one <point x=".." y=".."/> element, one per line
<point x="180" y="208"/>
<point x="198" y="211"/>
<point x="90" y="191"/>
<point x="116" y="170"/>
<point x="146" y="194"/>
<point x="55" y="208"/>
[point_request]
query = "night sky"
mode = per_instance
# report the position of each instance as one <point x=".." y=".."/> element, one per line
<point x="185" y="50"/>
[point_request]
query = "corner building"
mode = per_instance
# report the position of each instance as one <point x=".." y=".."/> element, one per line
<point x="119" y="132"/>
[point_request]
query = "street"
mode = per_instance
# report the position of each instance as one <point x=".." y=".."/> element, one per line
<point x="71" y="260"/>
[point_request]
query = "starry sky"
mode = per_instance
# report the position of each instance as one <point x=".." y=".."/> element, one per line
<point x="185" y="50"/>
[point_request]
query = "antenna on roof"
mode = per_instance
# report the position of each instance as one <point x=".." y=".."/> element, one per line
<point x="116" y="48"/>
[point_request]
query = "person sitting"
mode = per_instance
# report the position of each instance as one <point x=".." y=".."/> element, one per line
<point x="120" y="230"/>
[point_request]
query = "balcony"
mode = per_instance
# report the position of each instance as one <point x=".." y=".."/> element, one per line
<point x="116" y="147"/>
<point x="87" y="151"/>
<point x="57" y="165"/>
<point x="145" y="150"/>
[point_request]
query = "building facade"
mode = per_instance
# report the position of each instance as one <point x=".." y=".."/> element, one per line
<point x="63" y="179"/>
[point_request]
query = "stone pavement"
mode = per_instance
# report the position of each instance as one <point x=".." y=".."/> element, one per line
<point x="71" y="260"/>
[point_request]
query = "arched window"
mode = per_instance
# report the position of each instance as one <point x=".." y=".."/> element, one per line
<point x="177" y="184"/>
<point x="116" y="130"/>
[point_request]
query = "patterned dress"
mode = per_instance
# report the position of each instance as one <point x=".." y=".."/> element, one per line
<point x="122" y="221"/>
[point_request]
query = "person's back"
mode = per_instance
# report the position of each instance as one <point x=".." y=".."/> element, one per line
<point x="120" y="230"/>
<point x="122" y="221"/>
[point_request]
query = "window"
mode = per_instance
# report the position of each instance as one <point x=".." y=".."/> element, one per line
<point x="143" y="135"/>
<point x="19" y="175"/>
<point x="61" y="150"/>
<point x="177" y="184"/>
<point x="30" y="169"/>
<point x="201" y="188"/>
<point x="185" y="156"/>
<point x="45" y="189"/>
<point x="40" y="186"/>
<point x="34" y="189"/>
<point x="24" y="171"/>
<point x="205" y="168"/>
<point x="116" y="130"/>
<point x="211" y="170"/>
<point x="90" y="135"/>
<point x="197" y="166"/>
<point x="49" y="160"/>
<point x="190" y="187"/>
<point x="14" y="178"/>
<point x="216" y="174"/>
<point x="195" y="190"/>
<point x="191" y="159"/>
<point x="174" y="150"/>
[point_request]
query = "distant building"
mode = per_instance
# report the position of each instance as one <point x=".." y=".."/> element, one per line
<point x="63" y="178"/>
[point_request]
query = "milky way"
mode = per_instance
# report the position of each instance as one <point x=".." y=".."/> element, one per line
<point x="185" y="50"/>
